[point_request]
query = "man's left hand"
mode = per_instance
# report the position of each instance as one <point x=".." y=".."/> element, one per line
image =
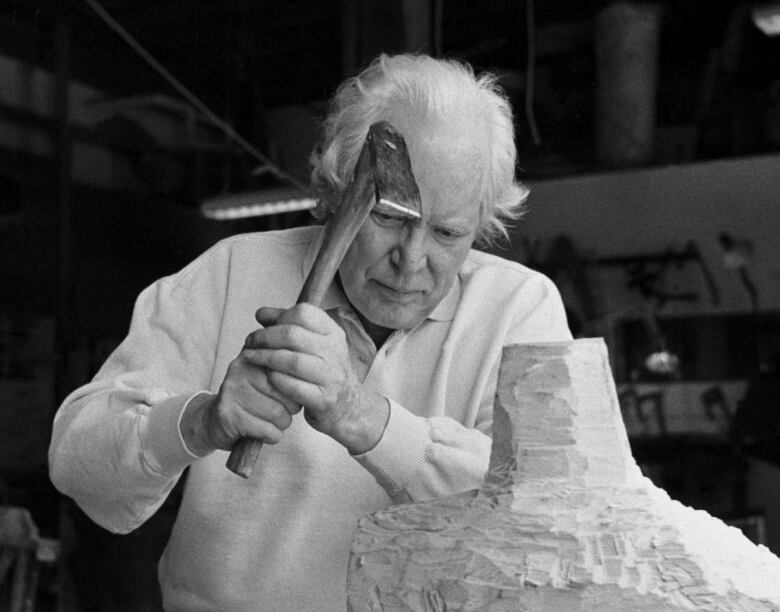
<point x="306" y="356"/>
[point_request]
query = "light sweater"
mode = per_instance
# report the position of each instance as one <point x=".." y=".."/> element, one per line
<point x="279" y="540"/>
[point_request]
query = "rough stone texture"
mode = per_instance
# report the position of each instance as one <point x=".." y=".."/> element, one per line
<point x="564" y="521"/>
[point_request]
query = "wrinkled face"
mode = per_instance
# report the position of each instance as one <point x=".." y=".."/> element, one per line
<point x="398" y="269"/>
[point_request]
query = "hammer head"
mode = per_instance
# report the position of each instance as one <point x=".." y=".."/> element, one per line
<point x="394" y="184"/>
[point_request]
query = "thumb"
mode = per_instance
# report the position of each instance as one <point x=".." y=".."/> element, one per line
<point x="268" y="316"/>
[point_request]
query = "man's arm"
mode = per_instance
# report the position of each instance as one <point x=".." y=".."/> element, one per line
<point x="116" y="448"/>
<point x="118" y="443"/>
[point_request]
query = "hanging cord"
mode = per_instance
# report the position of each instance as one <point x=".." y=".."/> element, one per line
<point x="192" y="98"/>
<point x="438" y="18"/>
<point x="531" y="71"/>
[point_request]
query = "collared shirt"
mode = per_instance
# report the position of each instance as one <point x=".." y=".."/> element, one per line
<point x="280" y="539"/>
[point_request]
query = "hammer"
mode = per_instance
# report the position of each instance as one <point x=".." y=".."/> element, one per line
<point x="382" y="178"/>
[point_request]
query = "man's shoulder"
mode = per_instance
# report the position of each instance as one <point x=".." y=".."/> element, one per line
<point x="488" y="264"/>
<point x="251" y="253"/>
<point x="486" y="276"/>
<point x="264" y="248"/>
<point x="506" y="299"/>
<point x="294" y="238"/>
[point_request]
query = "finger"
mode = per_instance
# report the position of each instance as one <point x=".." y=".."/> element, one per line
<point x="265" y="409"/>
<point x="246" y="385"/>
<point x="242" y="372"/>
<point x="310" y="317"/>
<point x="268" y="316"/>
<point x="257" y="379"/>
<point x="260" y="430"/>
<point x="303" y="392"/>
<point x="231" y="421"/>
<point x="306" y="367"/>
<point x="285" y="336"/>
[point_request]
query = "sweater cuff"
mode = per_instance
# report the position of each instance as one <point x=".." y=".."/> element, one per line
<point x="400" y="454"/>
<point x="163" y="444"/>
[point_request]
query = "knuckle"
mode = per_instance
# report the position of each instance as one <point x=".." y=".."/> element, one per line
<point x="290" y="315"/>
<point x="227" y="392"/>
<point x="292" y="361"/>
<point x="289" y="334"/>
<point x="306" y="310"/>
<point x="274" y="378"/>
<point x="234" y="367"/>
<point x="263" y="385"/>
<point x="244" y="365"/>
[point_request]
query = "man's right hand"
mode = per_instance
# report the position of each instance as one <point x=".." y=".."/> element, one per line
<point x="245" y="407"/>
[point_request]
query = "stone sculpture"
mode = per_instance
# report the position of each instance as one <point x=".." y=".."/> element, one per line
<point x="565" y="521"/>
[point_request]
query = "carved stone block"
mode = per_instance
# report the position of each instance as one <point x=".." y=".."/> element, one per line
<point x="565" y="521"/>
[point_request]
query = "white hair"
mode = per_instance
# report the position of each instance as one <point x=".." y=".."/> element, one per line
<point x="433" y="89"/>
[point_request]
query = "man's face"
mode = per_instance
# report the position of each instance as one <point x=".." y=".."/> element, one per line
<point x="398" y="269"/>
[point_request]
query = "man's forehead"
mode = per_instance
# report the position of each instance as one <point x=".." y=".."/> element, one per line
<point x="456" y="136"/>
<point x="456" y="162"/>
<point x="449" y="157"/>
<point x="448" y="154"/>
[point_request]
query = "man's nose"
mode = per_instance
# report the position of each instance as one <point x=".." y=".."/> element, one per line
<point x="409" y="255"/>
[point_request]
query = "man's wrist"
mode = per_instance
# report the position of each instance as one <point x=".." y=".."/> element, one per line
<point x="369" y="426"/>
<point x="193" y="425"/>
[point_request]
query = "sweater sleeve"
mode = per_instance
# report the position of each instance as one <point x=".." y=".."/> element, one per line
<point x="421" y="458"/>
<point x="116" y="448"/>
<point x="424" y="458"/>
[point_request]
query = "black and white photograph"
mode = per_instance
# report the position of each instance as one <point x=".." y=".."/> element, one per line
<point x="389" y="306"/>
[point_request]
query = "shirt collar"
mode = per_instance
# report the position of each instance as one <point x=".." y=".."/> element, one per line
<point x="335" y="298"/>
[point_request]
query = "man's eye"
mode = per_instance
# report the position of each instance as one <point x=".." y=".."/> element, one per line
<point x="446" y="235"/>
<point x="386" y="219"/>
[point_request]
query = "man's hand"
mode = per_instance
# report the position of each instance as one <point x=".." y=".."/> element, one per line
<point x="306" y="357"/>
<point x="247" y="406"/>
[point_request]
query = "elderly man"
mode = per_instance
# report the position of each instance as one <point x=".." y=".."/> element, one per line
<point x="396" y="372"/>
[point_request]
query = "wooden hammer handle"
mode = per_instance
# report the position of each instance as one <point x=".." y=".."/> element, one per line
<point x="243" y="456"/>
<point x="339" y="231"/>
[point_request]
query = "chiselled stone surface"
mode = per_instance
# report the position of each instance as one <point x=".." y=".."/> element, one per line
<point x="565" y="521"/>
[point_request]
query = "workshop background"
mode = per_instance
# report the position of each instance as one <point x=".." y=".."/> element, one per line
<point x="134" y="134"/>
